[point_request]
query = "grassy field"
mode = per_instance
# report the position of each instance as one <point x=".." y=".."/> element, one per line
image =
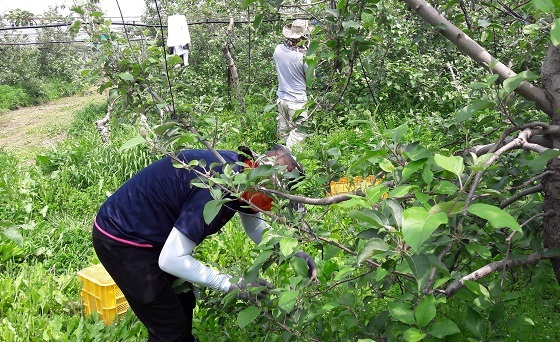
<point x="51" y="203"/>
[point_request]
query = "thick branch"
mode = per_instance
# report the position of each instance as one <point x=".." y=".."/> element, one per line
<point x="232" y="69"/>
<point x="479" y="54"/>
<point x="519" y="142"/>
<point x="101" y="124"/>
<point x="530" y="259"/>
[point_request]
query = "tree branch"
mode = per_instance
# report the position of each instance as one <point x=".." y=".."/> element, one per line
<point x="530" y="259"/>
<point x="531" y="190"/>
<point x="479" y="54"/>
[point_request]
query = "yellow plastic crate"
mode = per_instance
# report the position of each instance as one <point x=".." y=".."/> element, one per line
<point x="100" y="294"/>
<point x="346" y="185"/>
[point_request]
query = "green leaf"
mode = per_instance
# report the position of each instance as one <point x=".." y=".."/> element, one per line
<point x="427" y="174"/>
<point x="351" y="24"/>
<point x="412" y="167"/>
<point x="386" y="165"/>
<point x="159" y="130"/>
<point x="288" y="246"/>
<point x="313" y="47"/>
<point x="78" y="9"/>
<point x="287" y="300"/>
<point x="343" y="273"/>
<point x="450" y="208"/>
<point x="374" y="193"/>
<point x="246" y="3"/>
<point x="438" y="264"/>
<point x="300" y="266"/>
<point x="137" y="140"/>
<point x="260" y="172"/>
<point x="269" y="108"/>
<point x="497" y="217"/>
<point x="369" y="217"/>
<point x="355" y="200"/>
<point x="425" y="310"/>
<point x="400" y="191"/>
<point x="175" y="60"/>
<point x="257" y="21"/>
<point x="396" y="133"/>
<point x="368" y="156"/>
<point x="475" y="249"/>
<point x="419" y="224"/>
<point x="402" y="312"/>
<point x="497" y="313"/>
<point x="371" y="247"/>
<point x="380" y="274"/>
<point x="477" y="288"/>
<point x="247" y="315"/>
<point x="452" y="164"/>
<point x="417" y="152"/>
<point x="468" y="111"/>
<point x="367" y="19"/>
<point x="211" y="209"/>
<point x="511" y="83"/>
<point x="480" y="163"/>
<point x="444" y="328"/>
<point x="546" y="6"/>
<point x="475" y="323"/>
<point x="126" y="76"/>
<point x="413" y="335"/>
<point x="532" y="29"/>
<point x="420" y="267"/>
<point x="539" y="163"/>
<point x="445" y="187"/>
<point x="262" y="258"/>
<point x="522" y="320"/>
<point x="555" y="32"/>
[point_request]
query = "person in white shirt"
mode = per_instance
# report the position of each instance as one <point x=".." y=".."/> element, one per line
<point x="292" y="87"/>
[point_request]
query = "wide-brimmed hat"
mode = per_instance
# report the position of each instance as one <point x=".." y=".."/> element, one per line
<point x="297" y="29"/>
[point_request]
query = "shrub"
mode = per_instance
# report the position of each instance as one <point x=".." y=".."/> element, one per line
<point x="12" y="97"/>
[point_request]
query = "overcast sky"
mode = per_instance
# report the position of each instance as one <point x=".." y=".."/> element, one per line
<point x="130" y="8"/>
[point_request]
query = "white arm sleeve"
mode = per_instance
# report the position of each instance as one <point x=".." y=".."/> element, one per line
<point x="254" y="226"/>
<point x="175" y="258"/>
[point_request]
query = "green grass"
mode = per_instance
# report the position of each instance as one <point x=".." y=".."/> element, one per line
<point x="52" y="204"/>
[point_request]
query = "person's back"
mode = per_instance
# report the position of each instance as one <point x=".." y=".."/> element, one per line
<point x="291" y="74"/>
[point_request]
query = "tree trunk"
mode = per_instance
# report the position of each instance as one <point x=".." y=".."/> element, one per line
<point x="234" y="76"/>
<point x="551" y="221"/>
<point x="550" y="75"/>
<point x="232" y="69"/>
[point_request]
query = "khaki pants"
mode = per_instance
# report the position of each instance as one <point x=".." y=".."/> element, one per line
<point x="289" y="121"/>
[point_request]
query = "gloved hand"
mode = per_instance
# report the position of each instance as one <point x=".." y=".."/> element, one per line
<point x="245" y="291"/>
<point x="311" y="265"/>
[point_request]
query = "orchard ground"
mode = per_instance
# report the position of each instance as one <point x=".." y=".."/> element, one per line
<point x="29" y="130"/>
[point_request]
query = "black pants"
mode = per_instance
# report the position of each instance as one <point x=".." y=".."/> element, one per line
<point x="166" y="315"/>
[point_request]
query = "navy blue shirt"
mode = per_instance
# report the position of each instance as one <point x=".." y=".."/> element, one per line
<point x="144" y="210"/>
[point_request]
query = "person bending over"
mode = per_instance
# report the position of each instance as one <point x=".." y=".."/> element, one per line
<point x="145" y="232"/>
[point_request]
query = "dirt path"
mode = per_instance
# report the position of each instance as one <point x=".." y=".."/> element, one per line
<point x="26" y="131"/>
